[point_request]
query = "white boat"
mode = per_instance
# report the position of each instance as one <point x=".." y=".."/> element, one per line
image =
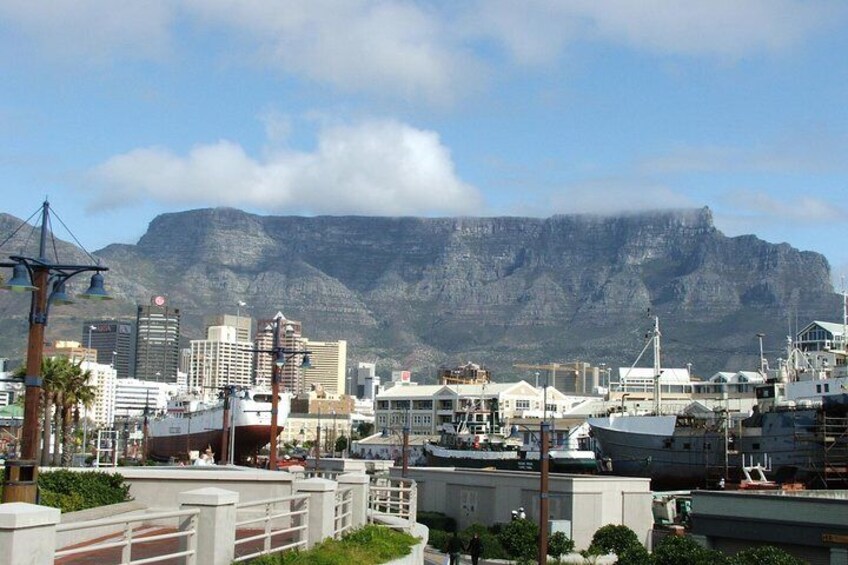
<point x="191" y="423"/>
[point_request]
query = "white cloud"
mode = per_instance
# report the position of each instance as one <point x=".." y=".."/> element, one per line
<point x="760" y="205"/>
<point x="88" y="30"/>
<point x="376" y="167"/>
<point x="727" y="28"/>
<point x="413" y="51"/>
<point x="613" y="196"/>
<point x="388" y="48"/>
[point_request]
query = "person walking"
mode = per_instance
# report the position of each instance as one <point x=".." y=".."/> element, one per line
<point x="454" y="548"/>
<point x="475" y="548"/>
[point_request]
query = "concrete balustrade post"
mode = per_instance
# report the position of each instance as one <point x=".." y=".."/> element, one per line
<point x="358" y="482"/>
<point x="322" y="508"/>
<point x="216" y="523"/>
<point x="27" y="534"/>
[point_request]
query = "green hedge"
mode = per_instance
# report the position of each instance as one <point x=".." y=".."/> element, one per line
<point x="70" y="491"/>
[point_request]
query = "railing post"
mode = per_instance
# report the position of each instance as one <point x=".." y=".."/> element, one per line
<point x="216" y="523"/>
<point x="27" y="534"/>
<point x="322" y="508"/>
<point x="359" y="483"/>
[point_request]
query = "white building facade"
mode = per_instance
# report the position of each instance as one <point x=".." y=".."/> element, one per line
<point x="220" y="360"/>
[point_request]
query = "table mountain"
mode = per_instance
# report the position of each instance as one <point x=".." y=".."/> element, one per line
<point x="420" y="292"/>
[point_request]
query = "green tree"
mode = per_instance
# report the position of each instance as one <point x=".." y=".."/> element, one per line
<point x="341" y="444"/>
<point x="519" y="539"/>
<point x="77" y="392"/>
<point x="764" y="555"/>
<point x="613" y="539"/>
<point x="683" y="550"/>
<point x="559" y="544"/>
<point x="365" y="429"/>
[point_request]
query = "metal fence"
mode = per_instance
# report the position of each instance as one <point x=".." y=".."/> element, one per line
<point x="271" y="525"/>
<point x="135" y="540"/>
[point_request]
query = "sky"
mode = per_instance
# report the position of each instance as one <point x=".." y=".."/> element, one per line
<point x="119" y="111"/>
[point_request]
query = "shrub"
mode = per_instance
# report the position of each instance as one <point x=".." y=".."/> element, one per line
<point x="367" y="546"/>
<point x="518" y="538"/>
<point x="559" y="544"/>
<point x="492" y="548"/>
<point x="437" y="521"/>
<point x="613" y="539"/>
<point x="682" y="550"/>
<point x="71" y="491"/>
<point x="764" y="555"/>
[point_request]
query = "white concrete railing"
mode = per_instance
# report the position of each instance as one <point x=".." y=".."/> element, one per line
<point x="343" y="522"/>
<point x="211" y="524"/>
<point x="274" y="518"/>
<point x="394" y="497"/>
<point x="137" y="530"/>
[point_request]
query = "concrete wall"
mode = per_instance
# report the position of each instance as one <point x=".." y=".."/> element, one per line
<point x="488" y="497"/>
<point x="158" y="487"/>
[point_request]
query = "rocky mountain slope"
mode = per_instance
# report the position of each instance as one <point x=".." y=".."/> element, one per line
<point x="420" y="292"/>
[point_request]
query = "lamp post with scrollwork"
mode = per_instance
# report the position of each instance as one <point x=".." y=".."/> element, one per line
<point x="281" y="355"/>
<point x="47" y="281"/>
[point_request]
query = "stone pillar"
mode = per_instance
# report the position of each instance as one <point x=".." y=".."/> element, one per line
<point x="322" y="508"/>
<point x="216" y="524"/>
<point x="359" y="482"/>
<point x="27" y="534"/>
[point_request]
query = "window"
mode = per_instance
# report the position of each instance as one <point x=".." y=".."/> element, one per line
<point x="522" y="405"/>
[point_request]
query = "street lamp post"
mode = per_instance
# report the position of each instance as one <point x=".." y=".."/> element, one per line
<point x="281" y="356"/>
<point x="46" y="280"/>
<point x="544" y="515"/>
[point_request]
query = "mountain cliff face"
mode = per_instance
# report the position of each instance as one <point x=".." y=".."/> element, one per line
<point x="419" y="292"/>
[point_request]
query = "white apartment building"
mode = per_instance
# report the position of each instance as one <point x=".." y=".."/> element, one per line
<point x="104" y="380"/>
<point x="220" y="360"/>
<point x="132" y="396"/>
<point x="329" y="366"/>
<point x="425" y="408"/>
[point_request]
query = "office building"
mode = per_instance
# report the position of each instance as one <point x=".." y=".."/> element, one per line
<point x="157" y="341"/>
<point x="114" y="342"/>
<point x="242" y="324"/>
<point x="291" y="374"/>
<point x="367" y="381"/>
<point x="132" y="396"/>
<point x="329" y="362"/>
<point x="219" y="360"/>
<point x="103" y="379"/>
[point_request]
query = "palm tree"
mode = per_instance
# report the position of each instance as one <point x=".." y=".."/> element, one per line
<point x="77" y="392"/>
<point x="51" y="370"/>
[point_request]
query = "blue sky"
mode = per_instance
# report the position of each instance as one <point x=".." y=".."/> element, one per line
<point x="121" y="111"/>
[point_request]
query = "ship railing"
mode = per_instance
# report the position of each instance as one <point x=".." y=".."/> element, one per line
<point x="148" y="537"/>
<point x="343" y="521"/>
<point x="395" y="498"/>
<point x="270" y="526"/>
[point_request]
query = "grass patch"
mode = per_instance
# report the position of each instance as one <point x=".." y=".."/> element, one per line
<point x="370" y="545"/>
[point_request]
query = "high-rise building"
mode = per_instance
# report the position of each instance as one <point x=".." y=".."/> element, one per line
<point x="291" y="374"/>
<point x="157" y="342"/>
<point x="220" y="360"/>
<point x="104" y="382"/>
<point x="367" y="381"/>
<point x="242" y="324"/>
<point x="329" y="362"/>
<point x="114" y="342"/>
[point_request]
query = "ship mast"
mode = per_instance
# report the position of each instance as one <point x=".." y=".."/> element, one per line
<point x="657" y="365"/>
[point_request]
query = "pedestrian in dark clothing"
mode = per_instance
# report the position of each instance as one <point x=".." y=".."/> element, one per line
<point x="454" y="548"/>
<point x="475" y="548"/>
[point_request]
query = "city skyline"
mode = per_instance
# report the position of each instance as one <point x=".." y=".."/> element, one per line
<point x="396" y="108"/>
